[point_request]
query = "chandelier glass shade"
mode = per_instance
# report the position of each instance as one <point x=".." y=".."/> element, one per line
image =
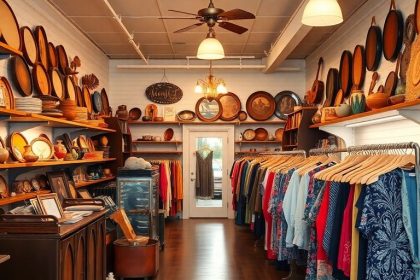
<point x="210" y="87"/>
<point x="210" y="48"/>
<point x="322" y="13"/>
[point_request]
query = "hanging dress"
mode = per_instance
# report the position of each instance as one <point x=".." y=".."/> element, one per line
<point x="204" y="183"/>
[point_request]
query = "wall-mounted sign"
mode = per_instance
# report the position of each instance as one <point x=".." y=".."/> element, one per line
<point x="164" y="93"/>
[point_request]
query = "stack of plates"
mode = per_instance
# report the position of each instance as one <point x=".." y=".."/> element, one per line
<point x="29" y="104"/>
<point x="49" y="105"/>
<point x="81" y="113"/>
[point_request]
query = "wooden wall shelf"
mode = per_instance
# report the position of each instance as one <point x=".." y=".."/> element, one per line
<point x="10" y="112"/>
<point x="237" y="123"/>
<point x="258" y="142"/>
<point x="93" y="182"/>
<point x="52" y="163"/>
<point x="158" y="142"/>
<point x="21" y="197"/>
<point x="6" y="49"/>
<point x="157" y="152"/>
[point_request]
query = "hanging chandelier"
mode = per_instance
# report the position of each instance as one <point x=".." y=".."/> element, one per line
<point x="210" y="48"/>
<point x="322" y="13"/>
<point x="211" y="87"/>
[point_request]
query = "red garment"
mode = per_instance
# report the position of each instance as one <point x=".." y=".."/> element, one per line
<point x="271" y="255"/>
<point x="344" y="250"/>
<point x="163" y="186"/>
<point x="321" y="223"/>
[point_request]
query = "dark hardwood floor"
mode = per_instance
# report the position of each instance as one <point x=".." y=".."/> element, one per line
<point x="213" y="249"/>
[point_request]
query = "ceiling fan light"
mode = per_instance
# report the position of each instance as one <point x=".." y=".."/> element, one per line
<point x="210" y="49"/>
<point x="198" y="89"/>
<point x="322" y="13"/>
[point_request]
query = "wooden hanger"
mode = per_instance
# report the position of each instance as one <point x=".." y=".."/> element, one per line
<point x="402" y="161"/>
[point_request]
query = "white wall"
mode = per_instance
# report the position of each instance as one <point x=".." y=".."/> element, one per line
<point x="352" y="33"/>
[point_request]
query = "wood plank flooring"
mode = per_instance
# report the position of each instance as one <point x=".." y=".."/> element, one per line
<point x="213" y="249"/>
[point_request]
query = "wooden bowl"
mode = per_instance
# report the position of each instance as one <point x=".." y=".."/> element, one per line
<point x="168" y="134"/>
<point x="279" y="134"/>
<point x="397" y="99"/>
<point x="134" y="114"/>
<point x="242" y="116"/>
<point x="261" y="134"/>
<point x="377" y="100"/>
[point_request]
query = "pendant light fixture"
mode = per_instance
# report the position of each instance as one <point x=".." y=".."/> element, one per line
<point x="210" y="48"/>
<point x="322" y="13"/>
<point x="211" y="87"/>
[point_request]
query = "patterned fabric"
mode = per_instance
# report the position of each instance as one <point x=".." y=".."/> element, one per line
<point x="381" y="223"/>
<point x="331" y="207"/>
<point x="285" y="253"/>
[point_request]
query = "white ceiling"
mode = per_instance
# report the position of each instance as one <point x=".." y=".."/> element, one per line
<point x="156" y="37"/>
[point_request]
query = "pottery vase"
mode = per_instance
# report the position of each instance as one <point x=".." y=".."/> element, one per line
<point x="60" y="150"/>
<point x="4" y="155"/>
<point x="28" y="155"/>
<point x="357" y="102"/>
<point x="122" y="113"/>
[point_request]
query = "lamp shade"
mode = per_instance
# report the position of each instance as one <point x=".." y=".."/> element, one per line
<point x="210" y="49"/>
<point x="322" y="13"/>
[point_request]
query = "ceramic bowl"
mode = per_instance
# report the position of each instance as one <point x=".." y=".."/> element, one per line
<point x="343" y="110"/>
<point x="397" y="99"/>
<point x="377" y="100"/>
<point x="134" y="114"/>
<point x="146" y="118"/>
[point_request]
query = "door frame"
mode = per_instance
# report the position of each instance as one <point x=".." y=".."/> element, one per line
<point x="186" y="130"/>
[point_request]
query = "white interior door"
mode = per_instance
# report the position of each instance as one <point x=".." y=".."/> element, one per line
<point x="208" y="197"/>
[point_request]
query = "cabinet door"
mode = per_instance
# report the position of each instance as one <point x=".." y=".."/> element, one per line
<point x="100" y="251"/>
<point x="91" y="247"/>
<point x="80" y="255"/>
<point x="67" y="259"/>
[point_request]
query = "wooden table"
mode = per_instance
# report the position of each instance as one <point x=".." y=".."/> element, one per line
<point x="4" y="258"/>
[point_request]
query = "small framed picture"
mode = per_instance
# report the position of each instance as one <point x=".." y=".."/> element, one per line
<point x="35" y="204"/>
<point x="169" y="113"/>
<point x="59" y="184"/>
<point x="84" y="194"/>
<point x="72" y="189"/>
<point x="50" y="205"/>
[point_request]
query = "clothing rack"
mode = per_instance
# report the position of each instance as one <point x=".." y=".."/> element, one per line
<point x="280" y="153"/>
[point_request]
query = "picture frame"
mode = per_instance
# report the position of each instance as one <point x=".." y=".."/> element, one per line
<point x="50" y="205"/>
<point x="72" y="190"/>
<point x="35" y="204"/>
<point x="169" y="113"/>
<point x="84" y="193"/>
<point x="59" y="184"/>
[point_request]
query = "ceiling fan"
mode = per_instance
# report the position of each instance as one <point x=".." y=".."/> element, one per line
<point x="212" y="16"/>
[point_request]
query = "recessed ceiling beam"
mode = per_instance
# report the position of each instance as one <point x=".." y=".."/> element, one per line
<point x="291" y="36"/>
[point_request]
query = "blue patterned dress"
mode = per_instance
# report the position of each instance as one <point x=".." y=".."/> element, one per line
<point x="388" y="255"/>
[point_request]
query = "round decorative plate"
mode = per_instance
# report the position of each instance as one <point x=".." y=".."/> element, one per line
<point x="9" y="26"/>
<point x="359" y="67"/>
<point x="260" y="106"/>
<point x="242" y="116"/>
<point x="106" y="110"/>
<point x="82" y="142"/>
<point x="261" y="134"/>
<point x="208" y="110"/>
<point x="87" y="99"/>
<point x="22" y="76"/>
<point x="41" y="38"/>
<point x="151" y="111"/>
<point x="373" y="46"/>
<point x="345" y="74"/>
<point x="17" y="143"/>
<point x="4" y="191"/>
<point x="338" y="98"/>
<point x="43" y="148"/>
<point x="231" y="105"/>
<point x="278" y="134"/>
<point x="69" y="86"/>
<point x="186" y="115"/>
<point x="28" y="45"/>
<point x="63" y="60"/>
<point x="168" y="134"/>
<point x="97" y="102"/>
<point x="285" y="102"/>
<point x="248" y="134"/>
<point x="6" y="94"/>
<point x="56" y="83"/>
<point x="41" y="80"/>
<point x="134" y="114"/>
<point x="52" y="55"/>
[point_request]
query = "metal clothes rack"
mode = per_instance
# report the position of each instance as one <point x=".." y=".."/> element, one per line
<point x="280" y="153"/>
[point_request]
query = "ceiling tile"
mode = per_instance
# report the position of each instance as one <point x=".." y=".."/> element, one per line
<point x="97" y="24"/>
<point x="135" y="7"/>
<point x="144" y="24"/>
<point x="256" y="48"/>
<point x="232" y="38"/>
<point x="81" y="7"/>
<point x="107" y="38"/>
<point x="151" y="38"/>
<point x="272" y="8"/>
<point x="151" y="50"/>
<point x="270" y="24"/>
<point x="124" y="56"/>
<point x="233" y="48"/>
<point x="188" y="38"/>
<point x="256" y="37"/>
<point x="118" y="49"/>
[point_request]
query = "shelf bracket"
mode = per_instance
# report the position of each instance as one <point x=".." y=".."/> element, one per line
<point x="345" y="133"/>
<point x="412" y="115"/>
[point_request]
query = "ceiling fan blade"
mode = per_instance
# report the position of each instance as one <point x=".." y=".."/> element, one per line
<point x="178" y="18"/>
<point x="181" y="12"/>
<point x="189" y="27"/>
<point x="236" y="14"/>
<point x="233" y="27"/>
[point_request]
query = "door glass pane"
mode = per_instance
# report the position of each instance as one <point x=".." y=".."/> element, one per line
<point x="209" y="175"/>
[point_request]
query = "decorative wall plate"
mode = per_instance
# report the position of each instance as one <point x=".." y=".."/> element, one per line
<point x="261" y="134"/>
<point x="22" y="76"/>
<point x="242" y="116"/>
<point x="168" y="134"/>
<point x="331" y="86"/>
<point x="79" y="97"/>
<point x="134" y="114"/>
<point x="285" y="102"/>
<point x="359" y="67"/>
<point x="345" y="74"/>
<point x="278" y="134"/>
<point x="186" y="115"/>
<point x="42" y="42"/>
<point x="164" y="93"/>
<point x="393" y="33"/>
<point x="43" y="148"/>
<point x="248" y="135"/>
<point x="231" y="105"/>
<point x="41" y="79"/>
<point x="57" y="87"/>
<point x="28" y="45"/>
<point x="97" y="102"/>
<point x="52" y="56"/>
<point x="63" y="60"/>
<point x="4" y="190"/>
<point x="260" y="106"/>
<point x="373" y="46"/>
<point x="17" y="142"/>
<point x="106" y="110"/>
<point x="9" y="26"/>
<point x="87" y="99"/>
<point x="208" y="110"/>
<point x="151" y="111"/>
<point x="69" y="86"/>
<point x="6" y="94"/>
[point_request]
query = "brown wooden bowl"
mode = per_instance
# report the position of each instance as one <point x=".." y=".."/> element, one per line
<point x="397" y="99"/>
<point x="134" y="114"/>
<point x="168" y="135"/>
<point x="261" y="134"/>
<point x="377" y="100"/>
